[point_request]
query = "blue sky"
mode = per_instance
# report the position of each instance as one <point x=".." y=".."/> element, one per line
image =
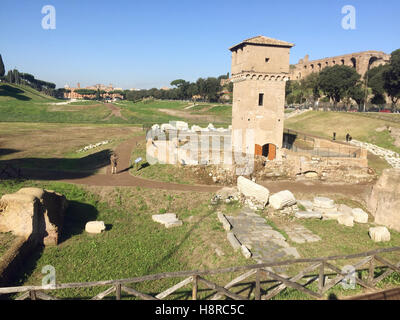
<point x="144" y="44"/>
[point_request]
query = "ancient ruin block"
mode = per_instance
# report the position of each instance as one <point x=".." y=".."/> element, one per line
<point x="225" y="223"/>
<point x="95" y="227"/>
<point x="384" y="201"/>
<point x="236" y="245"/>
<point x="169" y="220"/>
<point x="252" y="189"/>
<point x="345" y="209"/>
<point x="245" y="251"/>
<point x="379" y="234"/>
<point x="360" y="215"/>
<point x="20" y="215"/>
<point x="324" y="203"/>
<point x="346" y="220"/>
<point x="34" y="213"/>
<point x="308" y="215"/>
<point x="282" y="199"/>
<point x="331" y="215"/>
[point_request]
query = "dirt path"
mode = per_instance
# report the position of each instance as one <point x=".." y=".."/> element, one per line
<point x="124" y="178"/>
<point x="115" y="112"/>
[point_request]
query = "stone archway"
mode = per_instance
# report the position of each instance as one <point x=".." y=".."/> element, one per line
<point x="354" y="62"/>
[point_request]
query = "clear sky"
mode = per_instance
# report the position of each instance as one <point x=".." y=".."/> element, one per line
<point x="144" y="44"/>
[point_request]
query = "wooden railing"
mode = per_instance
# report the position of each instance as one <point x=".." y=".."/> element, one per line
<point x="316" y="271"/>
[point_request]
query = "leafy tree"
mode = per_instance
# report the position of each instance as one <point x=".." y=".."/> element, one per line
<point x="357" y="93"/>
<point x="378" y="99"/>
<point x="391" y="78"/>
<point x="2" y="69"/>
<point x="336" y="81"/>
<point x="310" y="87"/>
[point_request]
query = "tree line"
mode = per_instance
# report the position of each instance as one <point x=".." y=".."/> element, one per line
<point x="208" y="90"/>
<point x="16" y="77"/>
<point x="342" y="84"/>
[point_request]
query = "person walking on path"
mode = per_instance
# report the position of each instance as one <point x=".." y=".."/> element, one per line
<point x="114" y="163"/>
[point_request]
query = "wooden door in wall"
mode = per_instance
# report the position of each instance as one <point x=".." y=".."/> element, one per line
<point x="258" y="150"/>
<point x="271" y="152"/>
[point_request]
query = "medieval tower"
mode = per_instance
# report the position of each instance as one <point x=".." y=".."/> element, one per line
<point x="260" y="69"/>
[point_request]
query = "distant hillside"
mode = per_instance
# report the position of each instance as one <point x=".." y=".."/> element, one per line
<point x="14" y="94"/>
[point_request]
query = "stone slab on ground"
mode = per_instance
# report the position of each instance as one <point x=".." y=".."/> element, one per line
<point x="379" y="234"/>
<point x="245" y="251"/>
<point x="169" y="220"/>
<point x="308" y="215"/>
<point x="323" y="202"/>
<point x="300" y="234"/>
<point x="331" y="215"/>
<point x="235" y="243"/>
<point x="225" y="223"/>
<point x="307" y="204"/>
<point x="265" y="243"/>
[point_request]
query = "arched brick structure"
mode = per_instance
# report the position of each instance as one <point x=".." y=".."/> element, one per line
<point x="361" y="61"/>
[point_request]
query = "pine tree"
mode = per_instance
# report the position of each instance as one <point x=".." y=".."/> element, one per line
<point x="2" y="69"/>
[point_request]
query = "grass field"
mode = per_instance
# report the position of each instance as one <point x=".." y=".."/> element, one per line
<point x="359" y="127"/>
<point x="55" y="146"/>
<point x="133" y="244"/>
<point x="24" y="104"/>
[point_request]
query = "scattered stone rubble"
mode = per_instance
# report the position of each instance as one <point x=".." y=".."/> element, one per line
<point x="255" y="197"/>
<point x="169" y="220"/>
<point x="184" y="127"/>
<point x="252" y="235"/>
<point x="393" y="158"/>
<point x="92" y="146"/>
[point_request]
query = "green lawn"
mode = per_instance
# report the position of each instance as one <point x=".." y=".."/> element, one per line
<point x="133" y="244"/>
<point x="358" y="126"/>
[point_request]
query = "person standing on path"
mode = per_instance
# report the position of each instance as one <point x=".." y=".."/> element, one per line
<point x="114" y="163"/>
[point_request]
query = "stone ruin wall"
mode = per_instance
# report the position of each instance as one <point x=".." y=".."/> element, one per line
<point x="34" y="214"/>
<point x="361" y="61"/>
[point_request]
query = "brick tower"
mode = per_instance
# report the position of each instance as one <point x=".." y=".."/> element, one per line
<point x="260" y="69"/>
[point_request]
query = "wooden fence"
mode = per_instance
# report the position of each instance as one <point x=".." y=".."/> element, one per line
<point x="317" y="271"/>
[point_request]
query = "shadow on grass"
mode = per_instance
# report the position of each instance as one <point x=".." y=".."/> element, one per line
<point x="6" y="151"/>
<point x="9" y="91"/>
<point x="60" y="168"/>
<point x="76" y="217"/>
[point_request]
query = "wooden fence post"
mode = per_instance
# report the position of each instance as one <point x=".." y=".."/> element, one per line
<point x="118" y="291"/>
<point x="258" y="286"/>
<point x="371" y="271"/>
<point x="32" y="294"/>
<point x="195" y="284"/>
<point x="321" y="277"/>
